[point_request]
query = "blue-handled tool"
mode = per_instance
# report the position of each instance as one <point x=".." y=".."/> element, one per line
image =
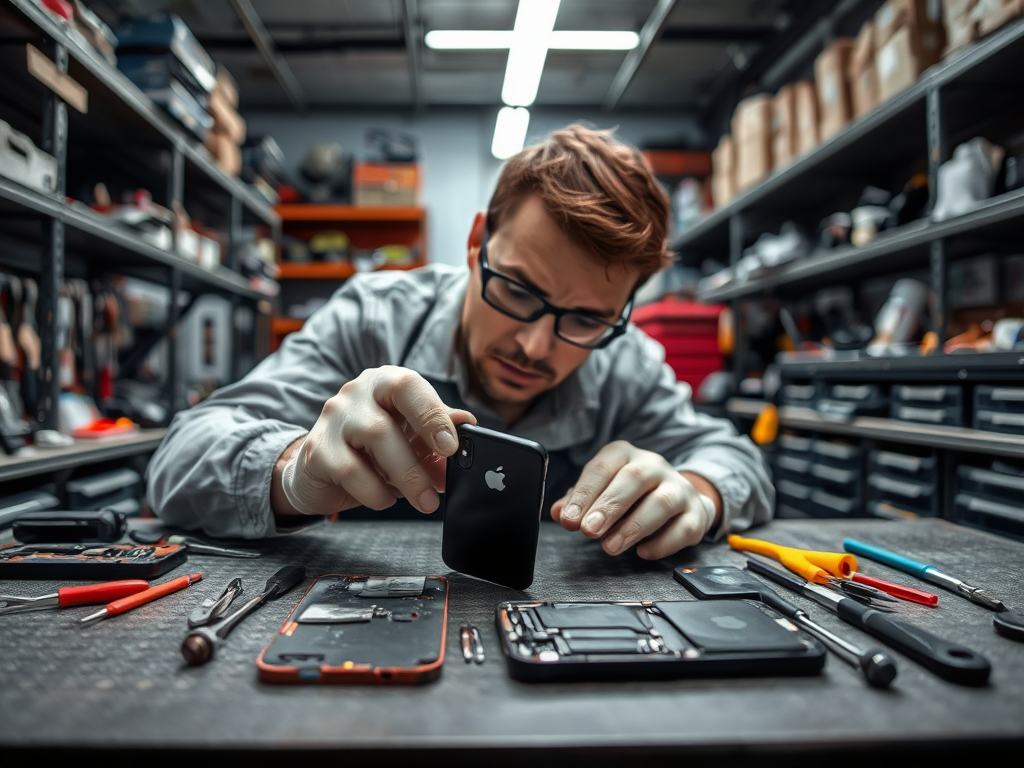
<point x="924" y="571"/>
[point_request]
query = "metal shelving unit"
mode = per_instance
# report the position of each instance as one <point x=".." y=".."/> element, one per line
<point x="93" y="452"/>
<point x="970" y="93"/>
<point x="888" y="430"/>
<point x="52" y="237"/>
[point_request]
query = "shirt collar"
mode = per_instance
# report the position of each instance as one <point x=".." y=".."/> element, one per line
<point x="560" y="418"/>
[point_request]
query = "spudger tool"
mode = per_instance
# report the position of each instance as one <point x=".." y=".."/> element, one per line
<point x="193" y="545"/>
<point x="66" y="597"/>
<point x="199" y="646"/>
<point x="824" y="568"/>
<point x="731" y="583"/>
<point x="1007" y="623"/>
<point x="125" y="604"/>
<point x="213" y="610"/>
<point x="952" y="662"/>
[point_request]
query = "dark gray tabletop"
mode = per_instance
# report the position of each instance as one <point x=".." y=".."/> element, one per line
<point x="122" y="683"/>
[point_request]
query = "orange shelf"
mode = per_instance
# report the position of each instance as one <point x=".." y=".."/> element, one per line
<point x="329" y="213"/>
<point x="330" y="270"/>
<point x="279" y="326"/>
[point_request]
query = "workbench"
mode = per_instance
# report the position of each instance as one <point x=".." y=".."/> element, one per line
<point x="122" y="685"/>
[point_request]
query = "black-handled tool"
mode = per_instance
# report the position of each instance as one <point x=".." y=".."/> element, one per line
<point x="199" y="646"/>
<point x="952" y="662"/>
<point x="729" y="582"/>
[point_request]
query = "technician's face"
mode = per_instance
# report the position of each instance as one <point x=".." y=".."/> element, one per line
<point x="514" y="362"/>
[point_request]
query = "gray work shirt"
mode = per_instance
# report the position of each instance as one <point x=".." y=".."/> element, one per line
<point x="213" y="470"/>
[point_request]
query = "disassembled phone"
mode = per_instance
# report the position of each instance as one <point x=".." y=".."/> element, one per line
<point x="88" y="562"/>
<point x="652" y="640"/>
<point x="362" y="629"/>
<point x="494" y="491"/>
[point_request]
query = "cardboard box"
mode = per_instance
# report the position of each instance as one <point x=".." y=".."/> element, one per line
<point x="225" y="119"/>
<point x="990" y="15"/>
<point x="863" y="73"/>
<point x="899" y="64"/>
<point x="386" y="184"/>
<point x="805" y="97"/>
<point x="925" y="16"/>
<point x="226" y="86"/>
<point x="752" y="133"/>
<point x="830" y="68"/>
<point x="225" y="152"/>
<point x="723" y="165"/>
<point x="784" y="132"/>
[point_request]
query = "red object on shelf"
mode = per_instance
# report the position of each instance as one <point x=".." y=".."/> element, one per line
<point x="689" y="333"/>
<point x="105" y="428"/>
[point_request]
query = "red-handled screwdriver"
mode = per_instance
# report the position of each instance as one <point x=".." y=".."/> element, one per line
<point x="125" y="604"/>
<point x="66" y="597"/>
<point x="898" y="590"/>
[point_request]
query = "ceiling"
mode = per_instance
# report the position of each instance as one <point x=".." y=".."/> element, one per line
<point x="355" y="53"/>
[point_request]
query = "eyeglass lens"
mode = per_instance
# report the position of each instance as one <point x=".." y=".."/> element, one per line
<point x="523" y="305"/>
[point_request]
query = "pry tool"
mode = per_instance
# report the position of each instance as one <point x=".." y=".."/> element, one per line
<point x="1006" y="622"/>
<point x="201" y="645"/>
<point x="213" y="610"/>
<point x="66" y="597"/>
<point x="952" y="662"/>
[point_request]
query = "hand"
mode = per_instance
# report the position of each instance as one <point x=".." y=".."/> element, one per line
<point x="626" y="494"/>
<point x="385" y="435"/>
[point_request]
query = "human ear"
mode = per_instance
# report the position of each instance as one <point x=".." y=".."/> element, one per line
<point x="476" y="238"/>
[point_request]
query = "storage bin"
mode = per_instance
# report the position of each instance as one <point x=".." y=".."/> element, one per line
<point x="989" y="484"/>
<point x="1001" y="399"/>
<point x="904" y="493"/>
<point x="845" y="401"/>
<point x="824" y="504"/>
<point x="999" y="517"/>
<point x="835" y="453"/>
<point x="997" y="421"/>
<point x="795" y="443"/>
<point x="920" y="468"/>
<point x="928" y="404"/>
<point x="800" y="395"/>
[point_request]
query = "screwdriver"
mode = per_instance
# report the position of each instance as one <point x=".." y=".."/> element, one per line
<point x="952" y="662"/>
<point x="125" y="604"/>
<point x="66" y="597"/>
<point x="199" y="646"/>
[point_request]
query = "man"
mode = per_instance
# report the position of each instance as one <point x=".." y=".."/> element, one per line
<point x="359" y="408"/>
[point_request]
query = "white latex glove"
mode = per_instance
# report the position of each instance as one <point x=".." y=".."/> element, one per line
<point x="385" y="435"/>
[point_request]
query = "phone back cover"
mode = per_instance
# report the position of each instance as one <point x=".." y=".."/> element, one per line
<point x="492" y="512"/>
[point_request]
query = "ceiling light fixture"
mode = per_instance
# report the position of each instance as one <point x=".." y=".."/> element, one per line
<point x="501" y="39"/>
<point x="510" y="132"/>
<point x="534" y="21"/>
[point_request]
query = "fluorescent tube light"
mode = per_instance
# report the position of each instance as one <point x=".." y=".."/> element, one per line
<point x="510" y="132"/>
<point x="534" y="21"/>
<point x="499" y="39"/>
<point x="468" y="39"/>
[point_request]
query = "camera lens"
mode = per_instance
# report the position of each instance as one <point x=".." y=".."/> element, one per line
<point x="465" y="457"/>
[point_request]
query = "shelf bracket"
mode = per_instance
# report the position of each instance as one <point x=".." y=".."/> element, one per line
<point x="648" y="35"/>
<point x="265" y="45"/>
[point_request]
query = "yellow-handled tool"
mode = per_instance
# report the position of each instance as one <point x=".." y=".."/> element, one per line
<point x="814" y="566"/>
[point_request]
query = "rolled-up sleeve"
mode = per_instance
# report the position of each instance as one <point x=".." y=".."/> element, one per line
<point x="662" y="419"/>
<point x="213" y="469"/>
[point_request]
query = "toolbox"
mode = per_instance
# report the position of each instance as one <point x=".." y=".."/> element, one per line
<point x="101" y="491"/>
<point x="929" y="404"/>
<point x="23" y="162"/>
<point x="689" y="333"/>
<point x="155" y="71"/>
<point x="166" y="32"/>
<point x="176" y="100"/>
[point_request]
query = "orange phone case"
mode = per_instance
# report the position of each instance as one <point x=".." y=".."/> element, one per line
<point x="334" y="666"/>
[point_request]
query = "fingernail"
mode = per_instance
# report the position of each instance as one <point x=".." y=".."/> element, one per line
<point x="428" y="501"/>
<point x="571" y="512"/>
<point x="614" y="544"/>
<point x="593" y="521"/>
<point x="446" y="441"/>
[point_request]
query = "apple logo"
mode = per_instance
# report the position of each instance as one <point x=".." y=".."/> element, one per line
<point x="729" y="622"/>
<point x="495" y="479"/>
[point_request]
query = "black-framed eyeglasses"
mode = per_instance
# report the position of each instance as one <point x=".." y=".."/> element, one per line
<point x="515" y="300"/>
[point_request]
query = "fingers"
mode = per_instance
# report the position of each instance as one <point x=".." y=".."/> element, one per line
<point x="661" y="506"/>
<point x="409" y="394"/>
<point x="401" y="468"/>
<point x="342" y="469"/>
<point x="556" y="508"/>
<point x="594" y="479"/>
<point x="685" y="530"/>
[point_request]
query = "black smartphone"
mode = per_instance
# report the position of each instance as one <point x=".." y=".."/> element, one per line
<point x="652" y="641"/>
<point x="362" y="629"/>
<point x="494" y="490"/>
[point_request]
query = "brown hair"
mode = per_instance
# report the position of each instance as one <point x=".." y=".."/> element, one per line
<point x="599" y="192"/>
